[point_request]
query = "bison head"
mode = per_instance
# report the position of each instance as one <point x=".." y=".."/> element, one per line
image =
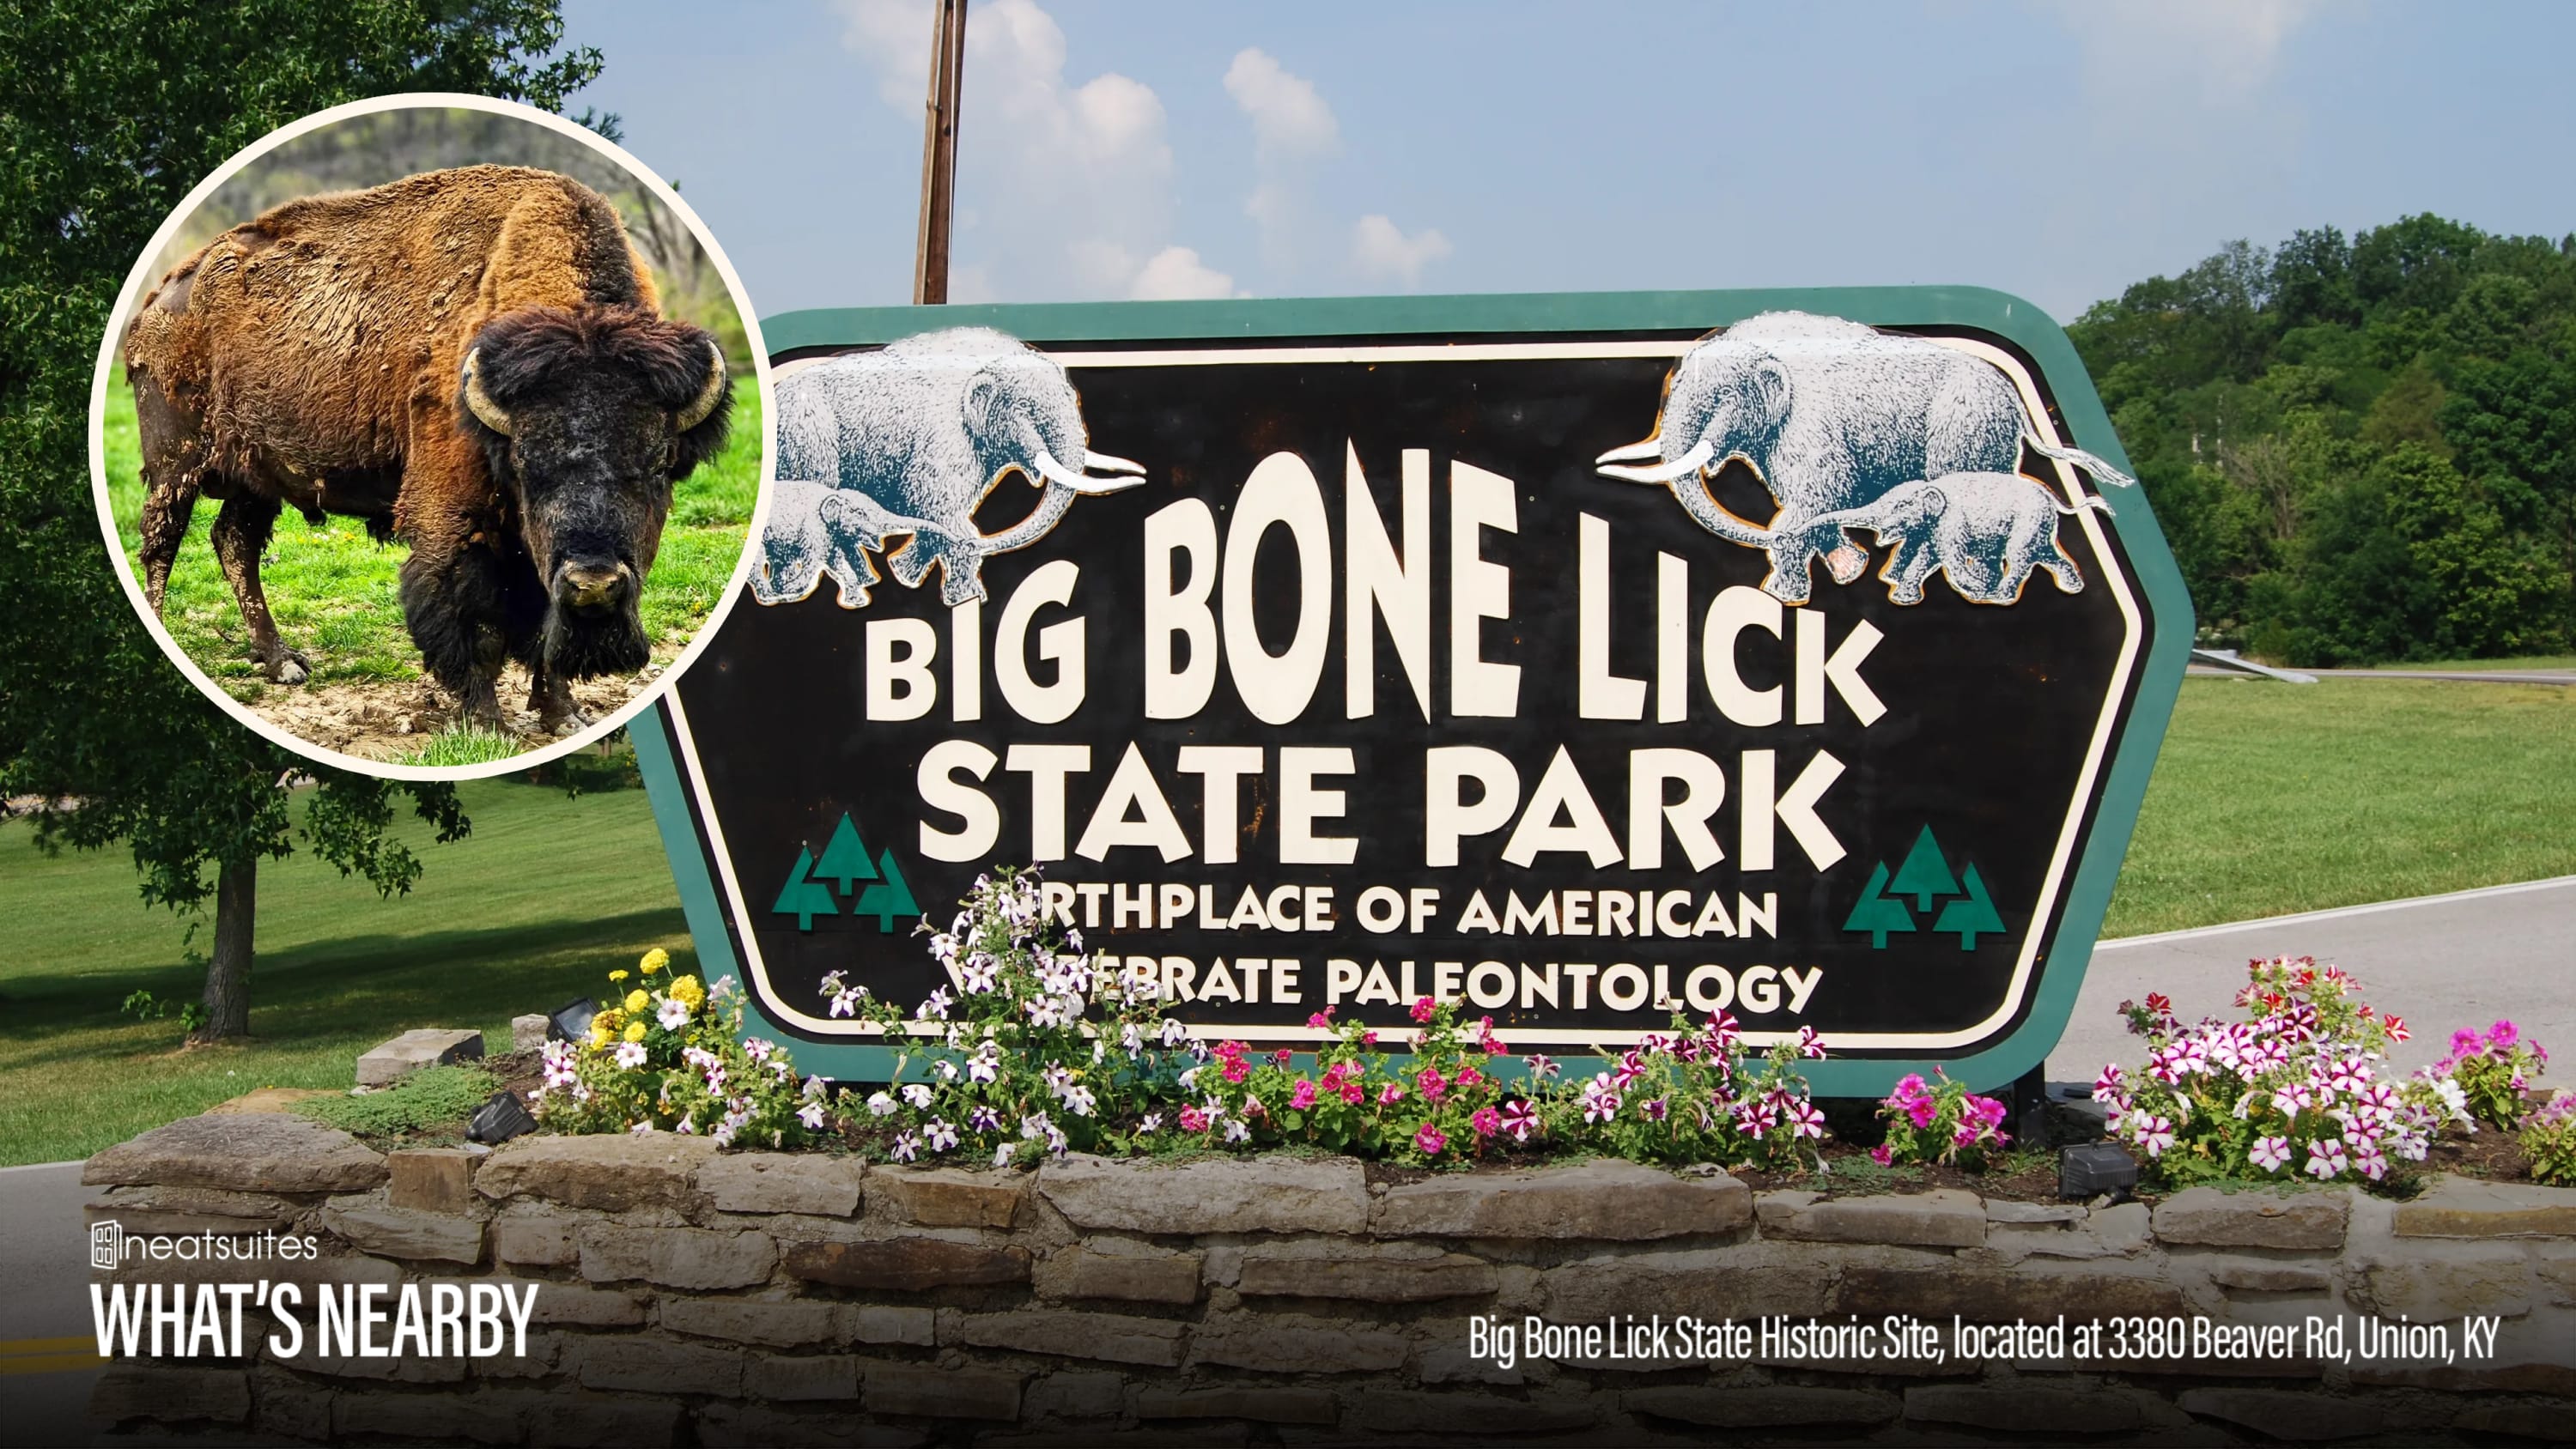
<point x="588" y="416"/>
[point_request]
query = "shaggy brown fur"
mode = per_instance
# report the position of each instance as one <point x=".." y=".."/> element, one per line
<point x="310" y="358"/>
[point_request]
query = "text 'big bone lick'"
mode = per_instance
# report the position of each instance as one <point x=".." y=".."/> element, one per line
<point x="916" y="434"/>
<point x="1832" y="416"/>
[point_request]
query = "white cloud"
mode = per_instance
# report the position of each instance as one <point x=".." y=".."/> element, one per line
<point x="1382" y="252"/>
<point x="1289" y="119"/>
<point x="2224" y="49"/>
<point x="1086" y="169"/>
<point x="1175" y="274"/>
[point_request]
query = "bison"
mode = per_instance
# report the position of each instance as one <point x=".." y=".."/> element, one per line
<point x="475" y="363"/>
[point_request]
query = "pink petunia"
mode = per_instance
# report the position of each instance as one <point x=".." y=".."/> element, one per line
<point x="1423" y="1006"/>
<point x="1431" y="1139"/>
<point x="1486" y="1121"/>
<point x="1301" y="1096"/>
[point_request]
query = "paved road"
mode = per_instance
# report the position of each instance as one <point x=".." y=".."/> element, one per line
<point x="2438" y="961"/>
<point x="2469" y="676"/>
<point x="44" y="1261"/>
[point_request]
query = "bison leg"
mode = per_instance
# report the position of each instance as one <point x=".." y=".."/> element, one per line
<point x="171" y="438"/>
<point x="2070" y="579"/>
<point x="166" y="510"/>
<point x="456" y="607"/>
<point x="550" y="700"/>
<point x="240" y="532"/>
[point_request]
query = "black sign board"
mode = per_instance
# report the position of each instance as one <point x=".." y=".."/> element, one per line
<point x="1582" y="659"/>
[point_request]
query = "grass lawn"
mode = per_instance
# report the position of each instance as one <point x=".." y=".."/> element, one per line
<point x="2274" y="798"/>
<point x="333" y="590"/>
<point x="530" y="912"/>
<point x="2270" y="799"/>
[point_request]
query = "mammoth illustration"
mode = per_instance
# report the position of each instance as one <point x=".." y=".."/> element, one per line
<point x="1832" y="416"/>
<point x="917" y="433"/>
<point x="1983" y="531"/>
<point x="817" y="530"/>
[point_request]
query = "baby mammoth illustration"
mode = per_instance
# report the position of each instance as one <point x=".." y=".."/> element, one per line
<point x="1985" y="532"/>
<point x="918" y="432"/>
<point x="1832" y="415"/>
<point x="816" y="531"/>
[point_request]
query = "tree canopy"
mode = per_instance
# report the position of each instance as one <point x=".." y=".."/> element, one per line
<point x="2363" y="449"/>
<point x="110" y="110"/>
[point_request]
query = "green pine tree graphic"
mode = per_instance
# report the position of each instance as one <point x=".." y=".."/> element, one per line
<point x="1924" y="874"/>
<point x="845" y="856"/>
<point x="803" y="896"/>
<point x="1879" y="913"/>
<point x="1973" y="917"/>
<point x="889" y="897"/>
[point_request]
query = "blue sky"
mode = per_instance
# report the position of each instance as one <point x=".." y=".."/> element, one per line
<point x="1118" y="148"/>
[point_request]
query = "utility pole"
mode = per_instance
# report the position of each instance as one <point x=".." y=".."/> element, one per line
<point x="939" y="152"/>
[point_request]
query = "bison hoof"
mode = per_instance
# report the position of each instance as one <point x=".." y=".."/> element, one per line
<point x="289" y="667"/>
<point x="570" y="722"/>
<point x="1846" y="563"/>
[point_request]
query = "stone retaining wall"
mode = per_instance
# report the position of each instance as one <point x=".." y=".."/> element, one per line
<point x="695" y="1296"/>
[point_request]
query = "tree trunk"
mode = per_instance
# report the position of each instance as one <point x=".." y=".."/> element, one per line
<point x="227" y="998"/>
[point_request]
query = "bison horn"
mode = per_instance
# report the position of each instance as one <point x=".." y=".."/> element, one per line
<point x="1633" y="452"/>
<point x="481" y="401"/>
<point x="1681" y="467"/>
<point x="709" y="395"/>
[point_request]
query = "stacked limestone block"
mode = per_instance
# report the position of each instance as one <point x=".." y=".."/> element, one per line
<point x="689" y="1294"/>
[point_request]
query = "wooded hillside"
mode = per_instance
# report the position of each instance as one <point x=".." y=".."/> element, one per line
<point x="2362" y="449"/>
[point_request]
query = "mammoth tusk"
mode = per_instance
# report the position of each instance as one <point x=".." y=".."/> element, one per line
<point x="1055" y="472"/>
<point x="1108" y="463"/>
<point x="1681" y="467"/>
<point x="480" y="401"/>
<point x="1634" y="452"/>
<point x="708" y="396"/>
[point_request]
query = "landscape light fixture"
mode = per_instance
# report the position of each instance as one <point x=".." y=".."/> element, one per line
<point x="571" y="1021"/>
<point x="499" y="1119"/>
<point x="2095" y="1168"/>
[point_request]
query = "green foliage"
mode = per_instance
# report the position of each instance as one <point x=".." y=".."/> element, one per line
<point x="428" y="1100"/>
<point x="113" y="110"/>
<point x="2549" y="1141"/>
<point x="667" y="1053"/>
<point x="463" y="744"/>
<point x="2360" y="450"/>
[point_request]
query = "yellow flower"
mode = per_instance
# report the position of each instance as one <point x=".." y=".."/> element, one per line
<point x="634" y="1031"/>
<point x="686" y="988"/>
<point x="654" y="960"/>
<point x="637" y="1001"/>
<point x="598" y="1036"/>
<point x="609" y="1020"/>
<point x="617" y="975"/>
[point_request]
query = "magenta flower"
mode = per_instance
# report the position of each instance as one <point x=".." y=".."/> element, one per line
<point x="1433" y="1085"/>
<point x="1423" y="1006"/>
<point x="2503" y="1035"/>
<point x="1519" y="1119"/>
<point x="1322" y="1020"/>
<point x="1486" y="1121"/>
<point x="1301" y="1096"/>
<point x="1389" y="1094"/>
<point x="1882" y="1154"/>
<point x="1431" y="1139"/>
<point x="2270" y="1153"/>
<point x="1193" y="1120"/>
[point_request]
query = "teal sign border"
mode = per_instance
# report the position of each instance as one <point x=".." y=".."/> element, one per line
<point x="2151" y="565"/>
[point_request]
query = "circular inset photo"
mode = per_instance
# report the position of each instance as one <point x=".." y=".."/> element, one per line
<point x="428" y="435"/>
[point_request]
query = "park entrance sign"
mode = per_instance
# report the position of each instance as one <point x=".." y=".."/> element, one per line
<point x="1583" y="659"/>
